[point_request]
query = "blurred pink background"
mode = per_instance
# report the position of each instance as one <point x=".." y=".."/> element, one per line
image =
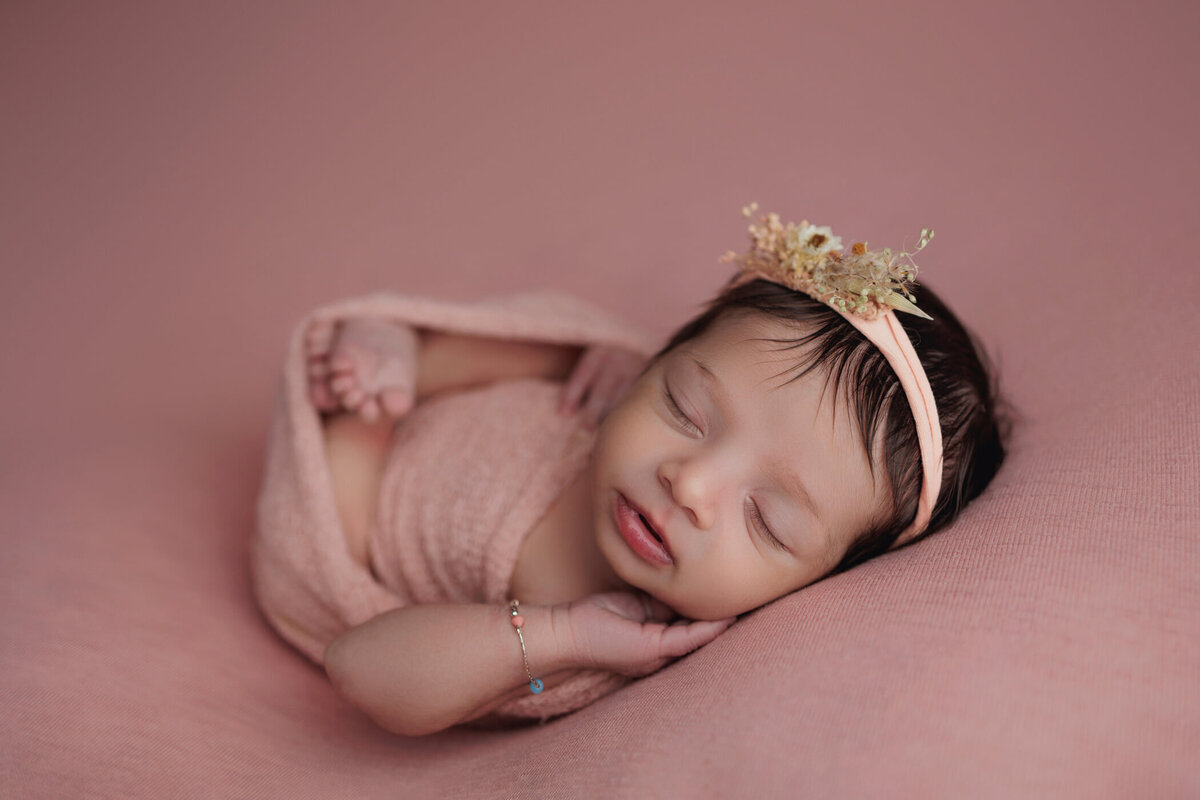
<point x="180" y="183"/>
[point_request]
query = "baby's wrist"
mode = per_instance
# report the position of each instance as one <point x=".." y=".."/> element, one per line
<point x="547" y="639"/>
<point x="565" y="650"/>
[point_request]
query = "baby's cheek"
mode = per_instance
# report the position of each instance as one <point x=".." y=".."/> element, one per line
<point x="617" y="432"/>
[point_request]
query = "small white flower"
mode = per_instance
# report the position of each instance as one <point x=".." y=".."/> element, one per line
<point x="815" y="240"/>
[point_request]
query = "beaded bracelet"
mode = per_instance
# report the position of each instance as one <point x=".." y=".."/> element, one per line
<point x="535" y="684"/>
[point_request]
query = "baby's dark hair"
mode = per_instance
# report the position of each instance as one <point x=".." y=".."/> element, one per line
<point x="974" y="420"/>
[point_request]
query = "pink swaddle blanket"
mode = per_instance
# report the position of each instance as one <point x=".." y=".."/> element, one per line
<point x="468" y="476"/>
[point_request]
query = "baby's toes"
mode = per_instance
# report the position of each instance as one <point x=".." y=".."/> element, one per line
<point x="348" y="376"/>
<point x="343" y="363"/>
<point x="318" y="367"/>
<point x="369" y="410"/>
<point x="396" y="402"/>
<point x="344" y="374"/>
<point x="319" y="392"/>
<point x="318" y="339"/>
<point x="348" y="390"/>
<point x="322" y="397"/>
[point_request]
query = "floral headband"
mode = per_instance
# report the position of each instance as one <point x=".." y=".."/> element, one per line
<point x="867" y="288"/>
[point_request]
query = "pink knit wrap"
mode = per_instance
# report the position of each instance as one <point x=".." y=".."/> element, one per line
<point x="468" y="476"/>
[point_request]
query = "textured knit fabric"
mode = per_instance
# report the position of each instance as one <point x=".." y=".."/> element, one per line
<point x="500" y="455"/>
<point x="468" y="476"/>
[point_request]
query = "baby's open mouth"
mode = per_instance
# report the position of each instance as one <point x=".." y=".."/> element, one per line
<point x="639" y="533"/>
<point x="649" y="527"/>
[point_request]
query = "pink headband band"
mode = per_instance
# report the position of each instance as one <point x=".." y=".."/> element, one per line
<point x="888" y="335"/>
<point x="866" y="288"/>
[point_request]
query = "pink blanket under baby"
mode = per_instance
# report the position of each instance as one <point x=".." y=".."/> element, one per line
<point x="468" y="476"/>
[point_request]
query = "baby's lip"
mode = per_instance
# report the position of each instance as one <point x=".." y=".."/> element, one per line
<point x="654" y="523"/>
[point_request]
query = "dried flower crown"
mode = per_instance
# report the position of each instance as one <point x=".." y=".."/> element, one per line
<point x="809" y="258"/>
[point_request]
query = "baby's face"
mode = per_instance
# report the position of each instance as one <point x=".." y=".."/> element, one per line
<point x="734" y="450"/>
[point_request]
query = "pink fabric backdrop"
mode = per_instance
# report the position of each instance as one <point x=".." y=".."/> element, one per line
<point x="179" y="185"/>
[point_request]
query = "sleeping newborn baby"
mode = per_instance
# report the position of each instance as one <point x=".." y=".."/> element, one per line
<point x="501" y="511"/>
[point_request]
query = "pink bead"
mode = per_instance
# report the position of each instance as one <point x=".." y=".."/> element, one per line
<point x="518" y="621"/>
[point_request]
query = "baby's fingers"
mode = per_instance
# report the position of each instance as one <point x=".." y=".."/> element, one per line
<point x="683" y="637"/>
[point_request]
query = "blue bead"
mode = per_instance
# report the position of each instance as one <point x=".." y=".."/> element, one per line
<point x="536" y="686"/>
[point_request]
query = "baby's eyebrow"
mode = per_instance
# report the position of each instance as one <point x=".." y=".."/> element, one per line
<point x="711" y="378"/>
<point x="720" y="393"/>
<point x="791" y="480"/>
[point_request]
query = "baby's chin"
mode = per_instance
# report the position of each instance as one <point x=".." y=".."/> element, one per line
<point x="706" y="609"/>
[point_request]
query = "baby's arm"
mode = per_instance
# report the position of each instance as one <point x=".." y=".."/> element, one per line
<point x="595" y="378"/>
<point x="423" y="668"/>
<point x="453" y="362"/>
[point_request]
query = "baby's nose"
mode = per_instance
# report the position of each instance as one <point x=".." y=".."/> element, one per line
<point x="692" y="491"/>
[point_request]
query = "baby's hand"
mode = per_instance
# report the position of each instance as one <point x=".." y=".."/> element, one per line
<point x="605" y="374"/>
<point x="627" y="632"/>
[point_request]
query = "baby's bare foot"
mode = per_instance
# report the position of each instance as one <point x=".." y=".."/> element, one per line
<point x="367" y="366"/>
<point x="318" y="341"/>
